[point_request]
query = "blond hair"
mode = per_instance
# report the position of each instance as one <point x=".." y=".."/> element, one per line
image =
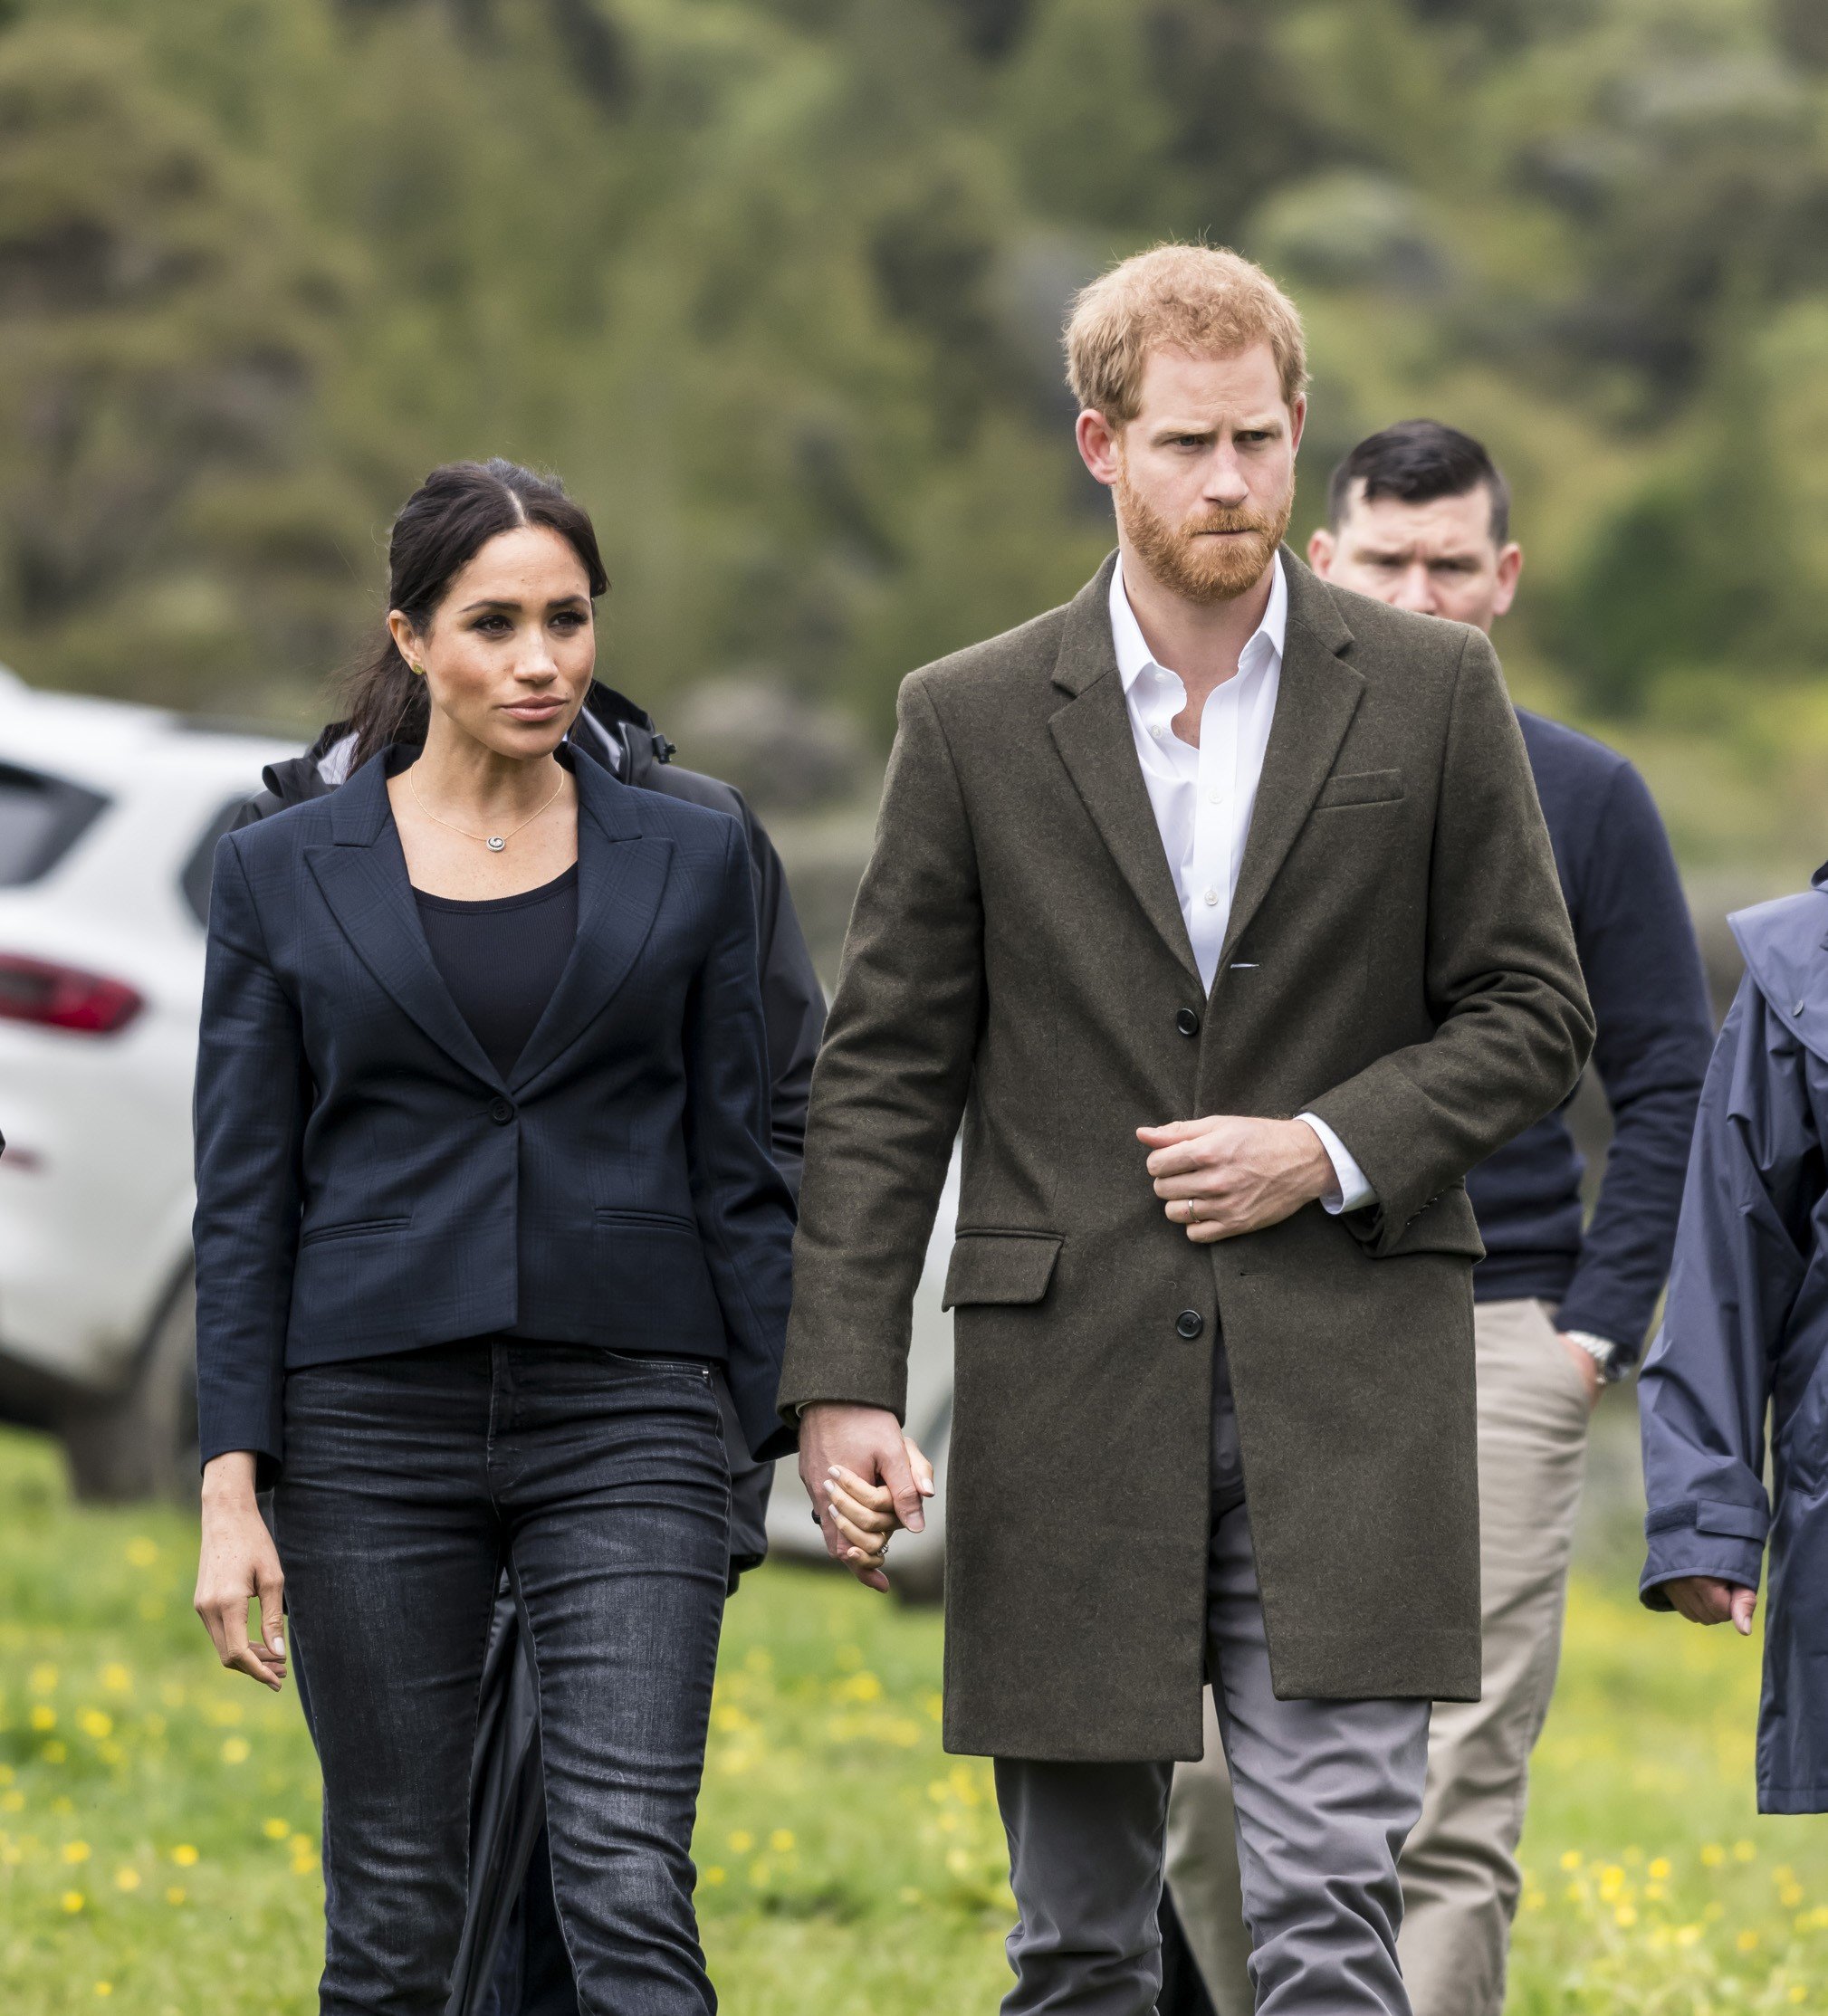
<point x="1197" y="298"/>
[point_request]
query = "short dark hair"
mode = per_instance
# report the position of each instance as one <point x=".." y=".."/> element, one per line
<point x="1419" y="461"/>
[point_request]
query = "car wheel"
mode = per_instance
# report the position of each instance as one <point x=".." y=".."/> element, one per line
<point x="142" y="1444"/>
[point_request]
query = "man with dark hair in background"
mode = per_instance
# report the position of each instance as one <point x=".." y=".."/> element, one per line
<point x="1418" y="516"/>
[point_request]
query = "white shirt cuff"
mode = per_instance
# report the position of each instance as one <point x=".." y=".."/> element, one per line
<point x="1350" y="1192"/>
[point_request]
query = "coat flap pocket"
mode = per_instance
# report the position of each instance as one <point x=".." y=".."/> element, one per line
<point x="1738" y="1522"/>
<point x="1361" y="788"/>
<point x="1001" y="1267"/>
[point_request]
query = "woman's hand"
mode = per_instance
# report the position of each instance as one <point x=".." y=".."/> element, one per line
<point x="865" y="1513"/>
<point x="238" y="1561"/>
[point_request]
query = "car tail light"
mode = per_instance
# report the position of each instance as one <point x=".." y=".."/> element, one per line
<point x="64" y="997"/>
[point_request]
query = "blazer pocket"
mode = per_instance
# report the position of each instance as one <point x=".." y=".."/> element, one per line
<point x="1001" y="1267"/>
<point x="354" y="1228"/>
<point x="663" y="1221"/>
<point x="1361" y="788"/>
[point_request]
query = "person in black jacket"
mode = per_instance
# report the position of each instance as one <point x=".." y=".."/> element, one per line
<point x="1418" y="516"/>
<point x="485" y="1213"/>
<point x="512" y="1960"/>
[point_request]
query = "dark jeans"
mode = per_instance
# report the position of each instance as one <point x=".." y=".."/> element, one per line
<point x="601" y="1482"/>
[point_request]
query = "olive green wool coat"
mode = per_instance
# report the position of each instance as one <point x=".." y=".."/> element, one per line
<point x="1399" y="962"/>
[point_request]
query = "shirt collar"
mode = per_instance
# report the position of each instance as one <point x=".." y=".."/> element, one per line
<point x="1134" y="658"/>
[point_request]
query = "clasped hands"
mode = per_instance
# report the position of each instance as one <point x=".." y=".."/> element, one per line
<point x="1217" y="1178"/>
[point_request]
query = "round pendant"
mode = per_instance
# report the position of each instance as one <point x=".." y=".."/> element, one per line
<point x="495" y="845"/>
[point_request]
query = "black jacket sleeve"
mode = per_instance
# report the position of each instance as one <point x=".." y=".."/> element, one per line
<point x="252" y="1097"/>
<point x="1644" y="977"/>
<point x="792" y="1002"/>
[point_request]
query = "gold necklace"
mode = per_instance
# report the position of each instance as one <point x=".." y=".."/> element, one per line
<point x="494" y="842"/>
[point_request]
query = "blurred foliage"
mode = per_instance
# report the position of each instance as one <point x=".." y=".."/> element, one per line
<point x="777" y="285"/>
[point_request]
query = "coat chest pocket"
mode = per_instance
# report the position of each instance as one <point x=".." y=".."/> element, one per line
<point x="1360" y="787"/>
<point x="1000" y="1267"/>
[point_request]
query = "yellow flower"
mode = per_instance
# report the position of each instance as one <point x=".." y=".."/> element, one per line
<point x="104" y="1988"/>
<point x="185" y="1856"/>
<point x="1689" y="1936"/>
<point x="142" y="1553"/>
<point x="56" y="1753"/>
<point x="76" y="1852"/>
<point x="1744" y="1852"/>
<point x="44" y="1717"/>
<point x="1660" y="1870"/>
<point x="1798" y="1994"/>
<point x="782" y="1840"/>
<point x="237" y="1750"/>
<point x="741" y="1841"/>
<point x="173" y="1894"/>
<point x="43" y="1680"/>
<point x="1625" y="1916"/>
<point x="11" y="1803"/>
<point x="92" y="1722"/>
<point x="1747" y="1942"/>
<point x="127" y="1879"/>
<point x="275" y="1829"/>
<point x="1713" y="1855"/>
<point x="714" y="1875"/>
<point x="117" y="1679"/>
<point x="73" y="1901"/>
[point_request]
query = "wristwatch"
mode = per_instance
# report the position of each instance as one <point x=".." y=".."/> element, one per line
<point x="1602" y="1351"/>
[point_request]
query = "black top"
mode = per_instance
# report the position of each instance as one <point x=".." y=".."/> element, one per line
<point x="501" y="957"/>
<point x="1643" y="975"/>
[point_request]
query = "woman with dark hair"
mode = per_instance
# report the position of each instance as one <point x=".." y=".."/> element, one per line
<point x="485" y="1210"/>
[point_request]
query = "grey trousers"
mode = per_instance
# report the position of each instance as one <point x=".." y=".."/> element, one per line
<point x="1460" y="1875"/>
<point x="1325" y="1792"/>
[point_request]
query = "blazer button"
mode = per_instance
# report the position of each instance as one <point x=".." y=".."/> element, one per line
<point x="1189" y="1322"/>
<point x="501" y="1110"/>
<point x="1187" y="1022"/>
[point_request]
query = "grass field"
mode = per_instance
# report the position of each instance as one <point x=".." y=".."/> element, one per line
<point x="158" y="1816"/>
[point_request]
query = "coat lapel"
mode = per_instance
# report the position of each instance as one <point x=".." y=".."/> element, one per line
<point x="621" y="878"/>
<point x="363" y="877"/>
<point x="1315" y="702"/>
<point x="1092" y="734"/>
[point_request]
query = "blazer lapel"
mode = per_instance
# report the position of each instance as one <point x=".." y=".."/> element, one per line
<point x="621" y="878"/>
<point x="1315" y="702"/>
<point x="363" y="877"/>
<point x="1092" y="735"/>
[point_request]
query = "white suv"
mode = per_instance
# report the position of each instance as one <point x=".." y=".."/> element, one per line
<point x="108" y="819"/>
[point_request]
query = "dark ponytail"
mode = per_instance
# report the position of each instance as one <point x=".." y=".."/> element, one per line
<point x="441" y="528"/>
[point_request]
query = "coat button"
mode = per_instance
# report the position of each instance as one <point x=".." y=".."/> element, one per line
<point x="1189" y="1322"/>
<point x="501" y="1110"/>
<point x="1187" y="1022"/>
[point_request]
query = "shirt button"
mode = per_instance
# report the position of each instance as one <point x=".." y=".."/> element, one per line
<point x="1187" y="1022"/>
<point x="501" y="1110"/>
<point x="1188" y="1323"/>
<point x="1156" y="732"/>
<point x="1215" y="797"/>
<point x="1212" y="895"/>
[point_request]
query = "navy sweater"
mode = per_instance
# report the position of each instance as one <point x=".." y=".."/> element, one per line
<point x="1643" y="975"/>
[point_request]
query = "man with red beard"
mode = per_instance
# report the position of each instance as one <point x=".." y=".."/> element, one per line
<point x="1219" y="905"/>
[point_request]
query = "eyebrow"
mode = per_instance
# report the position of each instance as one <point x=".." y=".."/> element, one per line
<point x="508" y="602"/>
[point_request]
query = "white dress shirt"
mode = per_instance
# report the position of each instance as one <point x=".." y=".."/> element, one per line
<point x="1202" y="798"/>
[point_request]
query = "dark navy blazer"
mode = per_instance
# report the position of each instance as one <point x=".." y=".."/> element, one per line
<point x="367" y="1183"/>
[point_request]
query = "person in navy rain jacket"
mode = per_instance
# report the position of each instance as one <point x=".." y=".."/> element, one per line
<point x="1745" y="1338"/>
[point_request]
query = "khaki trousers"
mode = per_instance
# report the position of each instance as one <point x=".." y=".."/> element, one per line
<point x="1460" y="1875"/>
